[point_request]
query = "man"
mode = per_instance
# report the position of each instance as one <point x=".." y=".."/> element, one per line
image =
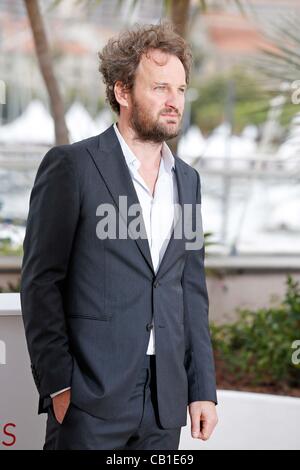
<point x="117" y="325"/>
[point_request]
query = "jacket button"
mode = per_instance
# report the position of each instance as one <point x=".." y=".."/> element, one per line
<point x="149" y="327"/>
<point x="156" y="284"/>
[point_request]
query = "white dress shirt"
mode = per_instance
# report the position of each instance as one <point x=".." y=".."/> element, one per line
<point x="157" y="210"/>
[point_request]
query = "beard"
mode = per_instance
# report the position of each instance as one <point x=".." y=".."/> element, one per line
<point x="149" y="129"/>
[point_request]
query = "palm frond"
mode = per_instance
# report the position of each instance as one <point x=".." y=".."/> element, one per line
<point x="283" y="60"/>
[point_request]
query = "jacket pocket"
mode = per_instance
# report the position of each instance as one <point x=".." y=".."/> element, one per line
<point x="101" y="317"/>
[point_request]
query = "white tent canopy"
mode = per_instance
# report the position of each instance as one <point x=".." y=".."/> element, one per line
<point x="34" y="126"/>
<point x="103" y="120"/>
<point x="191" y="144"/>
<point x="80" y="123"/>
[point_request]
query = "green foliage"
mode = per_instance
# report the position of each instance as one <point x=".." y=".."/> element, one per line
<point x="6" y="248"/>
<point x="250" y="106"/>
<point x="289" y="111"/>
<point x="258" y="346"/>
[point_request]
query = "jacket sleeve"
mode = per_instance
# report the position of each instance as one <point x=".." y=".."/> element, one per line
<point x="199" y="360"/>
<point x="53" y="214"/>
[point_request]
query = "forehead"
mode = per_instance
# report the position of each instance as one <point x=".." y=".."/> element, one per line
<point x="157" y="65"/>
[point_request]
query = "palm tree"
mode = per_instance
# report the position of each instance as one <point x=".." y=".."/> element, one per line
<point x="179" y="11"/>
<point x="46" y="67"/>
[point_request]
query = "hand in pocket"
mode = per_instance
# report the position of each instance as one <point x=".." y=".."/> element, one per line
<point x="61" y="404"/>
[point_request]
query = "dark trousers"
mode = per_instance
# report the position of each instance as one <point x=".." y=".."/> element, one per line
<point x="138" y="426"/>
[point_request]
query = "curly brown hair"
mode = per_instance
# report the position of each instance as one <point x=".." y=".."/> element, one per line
<point x="121" y="56"/>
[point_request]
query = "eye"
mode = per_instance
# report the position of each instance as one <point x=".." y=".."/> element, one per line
<point x="160" y="87"/>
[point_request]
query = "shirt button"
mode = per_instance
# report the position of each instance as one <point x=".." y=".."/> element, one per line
<point x="149" y="327"/>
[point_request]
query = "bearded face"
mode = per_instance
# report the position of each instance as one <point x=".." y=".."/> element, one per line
<point x="154" y="126"/>
<point x="157" y="98"/>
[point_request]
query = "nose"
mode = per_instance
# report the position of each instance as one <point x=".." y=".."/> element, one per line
<point x="173" y="102"/>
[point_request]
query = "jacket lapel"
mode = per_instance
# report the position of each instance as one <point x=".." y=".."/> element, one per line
<point x="111" y="164"/>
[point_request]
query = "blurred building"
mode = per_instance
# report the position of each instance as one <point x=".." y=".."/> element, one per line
<point x="228" y="37"/>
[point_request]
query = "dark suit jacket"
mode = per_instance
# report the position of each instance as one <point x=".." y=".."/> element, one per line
<point x="86" y="302"/>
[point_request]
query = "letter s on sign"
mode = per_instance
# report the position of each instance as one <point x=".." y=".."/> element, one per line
<point x="8" y="434"/>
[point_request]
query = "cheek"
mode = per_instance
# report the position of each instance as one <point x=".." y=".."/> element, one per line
<point x="156" y="107"/>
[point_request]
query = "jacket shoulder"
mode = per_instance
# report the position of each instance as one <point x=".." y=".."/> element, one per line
<point x="191" y="171"/>
<point x="75" y="146"/>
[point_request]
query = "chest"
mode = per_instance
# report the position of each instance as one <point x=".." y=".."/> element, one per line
<point x="150" y="178"/>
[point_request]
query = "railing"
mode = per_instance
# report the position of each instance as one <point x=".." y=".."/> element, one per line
<point x="16" y="157"/>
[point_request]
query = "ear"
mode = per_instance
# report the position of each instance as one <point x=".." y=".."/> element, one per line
<point x="121" y="94"/>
